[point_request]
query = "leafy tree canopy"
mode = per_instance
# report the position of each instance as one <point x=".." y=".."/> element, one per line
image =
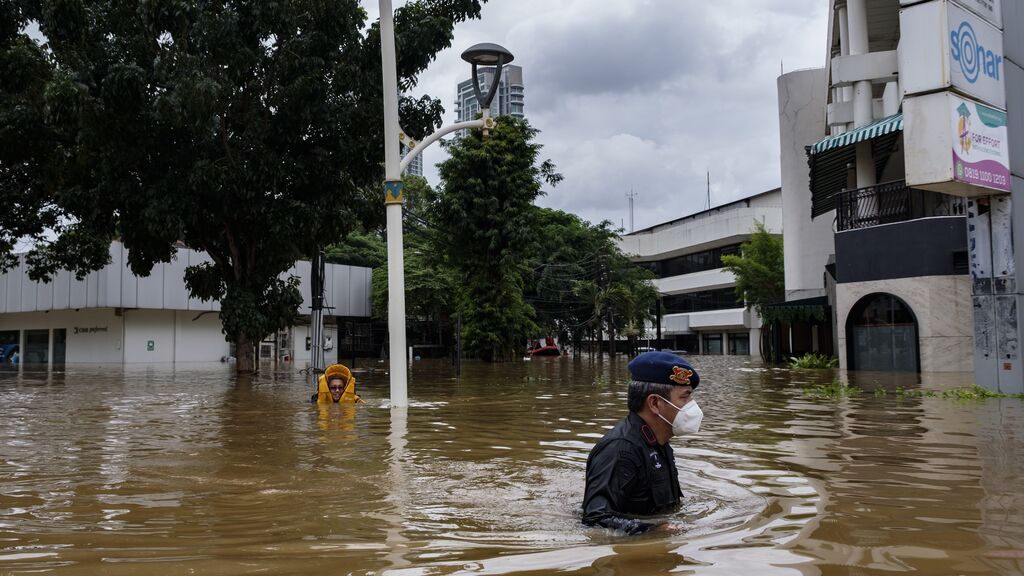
<point x="486" y="204"/>
<point x="759" y="270"/>
<point x="250" y="130"/>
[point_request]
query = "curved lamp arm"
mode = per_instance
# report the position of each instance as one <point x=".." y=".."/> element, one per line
<point x="416" y="148"/>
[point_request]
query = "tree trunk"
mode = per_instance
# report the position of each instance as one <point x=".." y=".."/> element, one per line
<point x="245" y="358"/>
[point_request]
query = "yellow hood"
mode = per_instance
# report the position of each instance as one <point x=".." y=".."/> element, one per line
<point x="348" y="396"/>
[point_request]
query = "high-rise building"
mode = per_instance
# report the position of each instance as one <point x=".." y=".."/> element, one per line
<point x="508" y="100"/>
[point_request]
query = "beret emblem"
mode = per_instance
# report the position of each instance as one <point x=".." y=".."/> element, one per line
<point x="680" y="375"/>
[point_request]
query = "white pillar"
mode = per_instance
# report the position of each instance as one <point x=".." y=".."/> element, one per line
<point x="857" y="21"/>
<point x="844" y="48"/>
<point x="891" y="99"/>
<point x="865" y="165"/>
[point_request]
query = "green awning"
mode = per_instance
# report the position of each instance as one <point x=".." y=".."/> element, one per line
<point x="831" y="158"/>
<point x="877" y="128"/>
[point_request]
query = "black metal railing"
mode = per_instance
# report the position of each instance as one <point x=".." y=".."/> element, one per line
<point x="892" y="202"/>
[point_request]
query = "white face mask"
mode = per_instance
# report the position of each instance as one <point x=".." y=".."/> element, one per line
<point x="687" y="420"/>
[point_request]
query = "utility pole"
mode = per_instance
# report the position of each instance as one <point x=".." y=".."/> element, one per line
<point x="631" y="195"/>
<point x="316" y="318"/>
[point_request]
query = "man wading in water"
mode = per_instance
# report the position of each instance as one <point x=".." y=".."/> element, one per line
<point x="631" y="471"/>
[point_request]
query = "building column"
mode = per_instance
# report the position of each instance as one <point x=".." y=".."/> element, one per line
<point x="857" y="22"/>
<point x="725" y="343"/>
<point x="865" y="165"/>
<point x="846" y="92"/>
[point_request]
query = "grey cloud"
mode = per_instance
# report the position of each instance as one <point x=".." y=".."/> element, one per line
<point x="618" y="118"/>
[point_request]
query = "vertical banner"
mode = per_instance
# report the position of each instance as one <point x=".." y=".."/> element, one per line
<point x="980" y="153"/>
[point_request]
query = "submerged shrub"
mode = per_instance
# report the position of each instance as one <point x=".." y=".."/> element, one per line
<point x="814" y="361"/>
<point x="835" y="389"/>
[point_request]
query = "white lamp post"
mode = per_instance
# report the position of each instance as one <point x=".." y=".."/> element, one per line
<point x="394" y="165"/>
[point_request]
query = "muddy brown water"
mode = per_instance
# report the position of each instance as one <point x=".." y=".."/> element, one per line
<point x="106" y="470"/>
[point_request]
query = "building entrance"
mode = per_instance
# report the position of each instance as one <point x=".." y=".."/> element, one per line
<point x="881" y="334"/>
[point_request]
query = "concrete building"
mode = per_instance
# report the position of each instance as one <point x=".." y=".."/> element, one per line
<point x="508" y="100"/>
<point x="904" y="220"/>
<point x="701" y="313"/>
<point x="114" y="317"/>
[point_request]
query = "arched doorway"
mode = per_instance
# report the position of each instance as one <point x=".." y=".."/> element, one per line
<point x="881" y="334"/>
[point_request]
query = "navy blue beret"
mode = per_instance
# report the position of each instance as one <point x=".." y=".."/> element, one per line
<point x="663" y="368"/>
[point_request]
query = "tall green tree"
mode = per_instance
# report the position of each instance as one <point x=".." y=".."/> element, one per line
<point x="249" y="130"/>
<point x="486" y="204"/>
<point x="759" y="269"/>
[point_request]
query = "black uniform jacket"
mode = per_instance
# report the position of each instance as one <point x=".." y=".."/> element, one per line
<point x="629" y="474"/>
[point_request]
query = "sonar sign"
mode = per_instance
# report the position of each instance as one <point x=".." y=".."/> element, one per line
<point x="968" y="57"/>
<point x="976" y="56"/>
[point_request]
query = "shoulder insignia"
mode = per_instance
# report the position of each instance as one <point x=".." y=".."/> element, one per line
<point x="648" y="435"/>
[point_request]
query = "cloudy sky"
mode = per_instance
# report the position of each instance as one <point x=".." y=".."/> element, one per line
<point x="645" y="94"/>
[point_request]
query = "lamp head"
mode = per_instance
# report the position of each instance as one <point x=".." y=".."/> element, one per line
<point x="487" y="54"/>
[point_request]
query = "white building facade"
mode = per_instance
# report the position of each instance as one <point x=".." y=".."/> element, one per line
<point x="700" y="310"/>
<point x="913" y="135"/>
<point x="114" y="317"/>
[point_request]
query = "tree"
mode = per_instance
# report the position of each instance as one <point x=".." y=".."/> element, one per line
<point x="251" y="131"/>
<point x="565" y="251"/>
<point x="760" y="274"/>
<point x="486" y="203"/>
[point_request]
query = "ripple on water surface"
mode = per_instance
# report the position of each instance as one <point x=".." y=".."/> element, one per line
<point x="194" y="471"/>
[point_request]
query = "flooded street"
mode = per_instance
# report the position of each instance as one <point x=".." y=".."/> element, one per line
<point x="191" y="471"/>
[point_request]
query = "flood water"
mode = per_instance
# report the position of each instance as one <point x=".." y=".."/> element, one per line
<point x="192" y="471"/>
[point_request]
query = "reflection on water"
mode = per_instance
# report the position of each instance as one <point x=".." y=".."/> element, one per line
<point x="195" y="471"/>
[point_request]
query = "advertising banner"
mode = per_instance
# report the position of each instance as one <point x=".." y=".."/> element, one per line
<point x="980" y="155"/>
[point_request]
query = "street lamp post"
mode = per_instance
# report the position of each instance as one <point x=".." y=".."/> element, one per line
<point x="394" y="164"/>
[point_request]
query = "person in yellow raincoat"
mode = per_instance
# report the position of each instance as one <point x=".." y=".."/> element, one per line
<point x="336" y="385"/>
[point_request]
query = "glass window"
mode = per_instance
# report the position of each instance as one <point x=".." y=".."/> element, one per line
<point x="739" y="344"/>
<point x="882" y="335"/>
<point x="696" y="262"/>
<point x="712" y="344"/>
<point x="37" y="347"/>
<point x="721" y="299"/>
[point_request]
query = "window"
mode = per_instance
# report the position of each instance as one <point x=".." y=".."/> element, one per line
<point x="712" y="344"/>
<point x="739" y="344"/>
<point x="721" y="299"/>
<point x="690" y="263"/>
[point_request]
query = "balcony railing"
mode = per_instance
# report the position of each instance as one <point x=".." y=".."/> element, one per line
<point x="892" y="202"/>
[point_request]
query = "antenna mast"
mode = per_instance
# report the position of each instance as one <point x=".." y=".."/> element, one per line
<point x="709" y="189"/>
<point x="631" y="195"/>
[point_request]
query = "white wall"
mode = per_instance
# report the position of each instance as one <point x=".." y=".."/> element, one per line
<point x="198" y="338"/>
<point x="96" y="340"/>
<point x="695" y="282"/>
<point x="702" y="231"/>
<point x="142" y="326"/>
<point x="808" y="243"/>
<point x="348" y="288"/>
<point x="301" y="356"/>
